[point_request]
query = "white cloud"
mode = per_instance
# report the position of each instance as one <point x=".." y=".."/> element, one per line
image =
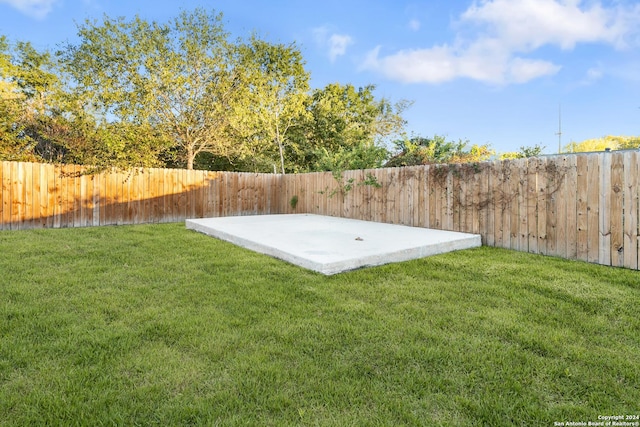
<point x="335" y="44"/>
<point x="442" y="63"/>
<point x="338" y="45"/>
<point x="497" y="35"/>
<point x="37" y="9"/>
<point x="592" y="76"/>
<point x="414" y="24"/>
<point x="529" y="24"/>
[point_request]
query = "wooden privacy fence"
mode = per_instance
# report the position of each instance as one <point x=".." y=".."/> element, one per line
<point x="578" y="206"/>
<point x="42" y="195"/>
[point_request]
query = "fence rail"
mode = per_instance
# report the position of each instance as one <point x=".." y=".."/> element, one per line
<point x="578" y="206"/>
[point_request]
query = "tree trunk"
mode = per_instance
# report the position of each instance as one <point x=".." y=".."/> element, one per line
<point x="279" y="144"/>
<point x="281" y="156"/>
<point x="190" y="157"/>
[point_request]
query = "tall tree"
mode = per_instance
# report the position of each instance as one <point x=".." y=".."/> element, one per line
<point x="10" y="129"/>
<point x="179" y="78"/>
<point x="274" y="97"/>
<point x="349" y="126"/>
<point x="30" y="92"/>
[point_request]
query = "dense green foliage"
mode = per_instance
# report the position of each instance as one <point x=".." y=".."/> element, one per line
<point x="421" y="151"/>
<point x="180" y="93"/>
<point x="601" y="144"/>
<point x="157" y="325"/>
<point x="524" y="152"/>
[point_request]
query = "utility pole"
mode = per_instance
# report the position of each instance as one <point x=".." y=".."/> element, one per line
<point x="559" y="133"/>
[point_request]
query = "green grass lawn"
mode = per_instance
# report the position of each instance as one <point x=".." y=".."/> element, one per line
<point x="158" y="325"/>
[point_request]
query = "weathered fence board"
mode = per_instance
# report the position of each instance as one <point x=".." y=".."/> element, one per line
<point x="582" y="206"/>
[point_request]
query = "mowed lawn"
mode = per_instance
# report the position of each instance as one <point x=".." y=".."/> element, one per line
<point x="158" y="325"/>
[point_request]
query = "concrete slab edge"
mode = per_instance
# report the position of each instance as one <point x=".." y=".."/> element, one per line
<point x="341" y="266"/>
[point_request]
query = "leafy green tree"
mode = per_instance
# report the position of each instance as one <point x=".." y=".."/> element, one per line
<point x="420" y="151"/>
<point x="30" y="92"/>
<point x="348" y="123"/>
<point x="274" y="97"/>
<point x="361" y="156"/>
<point x="179" y="78"/>
<point x="601" y="144"/>
<point x="630" y="143"/>
<point x="525" y="152"/>
<point x="11" y="146"/>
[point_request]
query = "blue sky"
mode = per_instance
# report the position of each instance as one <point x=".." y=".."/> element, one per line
<point x="490" y="71"/>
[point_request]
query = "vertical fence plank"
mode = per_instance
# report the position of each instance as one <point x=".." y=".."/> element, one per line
<point x="42" y="196"/>
<point x="571" y="203"/>
<point x="63" y="197"/>
<point x="630" y="242"/>
<point x="617" y="213"/>
<point x="498" y="203"/>
<point x="423" y="192"/>
<point x="212" y="194"/>
<point x="345" y="196"/>
<point x="17" y="198"/>
<point x="516" y="195"/>
<point x="122" y="197"/>
<point x="29" y="195"/>
<point x="636" y="205"/>
<point x="54" y="185"/>
<point x="95" y="199"/>
<point x="508" y="195"/>
<point x="151" y="198"/>
<point x="491" y="178"/>
<point x="483" y="202"/>
<point x="137" y="196"/>
<point x="172" y="196"/>
<point x="453" y="197"/>
<point x="416" y="201"/>
<point x="594" y="164"/>
<point x="192" y="193"/>
<point x="553" y="185"/>
<point x="434" y="191"/>
<point x="448" y="199"/>
<point x="464" y="197"/>
<point x="111" y="197"/>
<point x="403" y="200"/>
<point x="84" y="199"/>
<point x="313" y="192"/>
<point x="474" y="206"/>
<point x="77" y="195"/>
<point x="532" y="204"/>
<point x="392" y="196"/>
<point x="201" y="196"/>
<point x="559" y="198"/>
<point x="582" y="224"/>
<point x="522" y="232"/>
<point x="380" y="195"/>
<point x="541" y="192"/>
<point x="604" y="257"/>
<point x="104" y="199"/>
<point x="260" y="193"/>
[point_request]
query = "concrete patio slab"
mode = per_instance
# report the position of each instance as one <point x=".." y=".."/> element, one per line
<point x="331" y="245"/>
